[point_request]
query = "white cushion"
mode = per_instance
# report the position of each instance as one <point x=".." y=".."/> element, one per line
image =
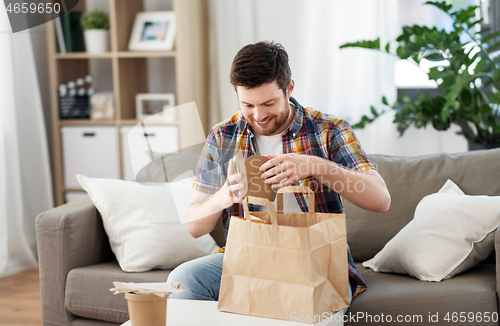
<point x="450" y="233"/>
<point x="143" y="224"/>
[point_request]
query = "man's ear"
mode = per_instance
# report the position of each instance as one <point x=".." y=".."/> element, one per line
<point x="289" y="89"/>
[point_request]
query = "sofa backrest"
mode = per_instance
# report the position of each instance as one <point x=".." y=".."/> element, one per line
<point x="175" y="165"/>
<point x="409" y="179"/>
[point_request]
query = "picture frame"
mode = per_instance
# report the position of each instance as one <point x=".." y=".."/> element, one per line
<point x="153" y="31"/>
<point x="156" y="107"/>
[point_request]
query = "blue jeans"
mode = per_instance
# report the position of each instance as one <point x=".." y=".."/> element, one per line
<point x="200" y="278"/>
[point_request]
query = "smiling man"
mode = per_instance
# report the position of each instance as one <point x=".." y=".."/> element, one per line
<point x="304" y="147"/>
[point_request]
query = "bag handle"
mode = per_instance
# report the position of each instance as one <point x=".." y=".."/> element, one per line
<point x="296" y="189"/>
<point x="262" y="202"/>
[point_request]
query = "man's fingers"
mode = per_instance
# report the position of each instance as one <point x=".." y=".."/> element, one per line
<point x="233" y="178"/>
<point x="271" y="172"/>
<point x="230" y="168"/>
<point x="272" y="162"/>
<point x="279" y="177"/>
<point x="237" y="196"/>
<point x="279" y="185"/>
<point x="237" y="187"/>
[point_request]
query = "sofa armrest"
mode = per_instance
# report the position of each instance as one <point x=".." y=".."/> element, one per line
<point x="497" y="258"/>
<point x="68" y="236"/>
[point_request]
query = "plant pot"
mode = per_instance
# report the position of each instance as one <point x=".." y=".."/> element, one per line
<point x="146" y="309"/>
<point x="96" y="40"/>
<point x="480" y="146"/>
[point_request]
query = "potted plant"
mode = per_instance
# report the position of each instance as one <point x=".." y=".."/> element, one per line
<point x="467" y="74"/>
<point x="95" y="25"/>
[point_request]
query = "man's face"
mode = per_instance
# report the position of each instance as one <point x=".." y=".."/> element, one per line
<point x="266" y="108"/>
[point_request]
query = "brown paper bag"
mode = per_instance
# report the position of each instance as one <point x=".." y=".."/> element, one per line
<point x="254" y="185"/>
<point x="296" y="265"/>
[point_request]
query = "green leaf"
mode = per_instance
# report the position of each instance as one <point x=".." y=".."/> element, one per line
<point x="402" y="38"/>
<point x="489" y="37"/>
<point x="481" y="63"/>
<point x="361" y="124"/>
<point x="418" y="30"/>
<point x="407" y="99"/>
<point x="400" y="53"/>
<point x="466" y="97"/>
<point x="474" y="57"/>
<point x="434" y="57"/>
<point x="387" y="47"/>
<point x="365" y="119"/>
<point x="470" y="25"/>
<point x="407" y="30"/>
<point x="493" y="98"/>
<point x="384" y="100"/>
<point x="441" y="5"/>
<point x="375" y="44"/>
<point x="96" y="19"/>
<point x="493" y="47"/>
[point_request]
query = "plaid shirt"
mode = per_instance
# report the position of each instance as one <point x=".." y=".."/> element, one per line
<point x="311" y="133"/>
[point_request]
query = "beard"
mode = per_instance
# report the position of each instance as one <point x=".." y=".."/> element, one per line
<point x="273" y="126"/>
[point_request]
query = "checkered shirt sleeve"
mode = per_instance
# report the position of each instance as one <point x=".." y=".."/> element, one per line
<point x="346" y="149"/>
<point x="208" y="177"/>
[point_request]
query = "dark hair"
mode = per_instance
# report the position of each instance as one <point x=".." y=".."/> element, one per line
<point x="261" y="63"/>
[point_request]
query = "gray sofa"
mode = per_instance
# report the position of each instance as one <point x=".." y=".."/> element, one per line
<point x="77" y="266"/>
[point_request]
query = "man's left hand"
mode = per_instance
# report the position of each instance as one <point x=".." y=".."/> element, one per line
<point x="283" y="170"/>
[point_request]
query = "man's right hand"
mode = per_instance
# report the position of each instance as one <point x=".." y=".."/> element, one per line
<point x="233" y="190"/>
<point x="204" y="210"/>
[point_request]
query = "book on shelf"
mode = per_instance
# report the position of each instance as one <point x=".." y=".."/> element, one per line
<point x="72" y="31"/>
<point x="60" y="35"/>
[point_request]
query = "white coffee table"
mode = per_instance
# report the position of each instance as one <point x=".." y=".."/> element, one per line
<point x="197" y="312"/>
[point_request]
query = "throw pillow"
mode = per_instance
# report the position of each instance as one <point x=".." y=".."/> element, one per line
<point x="143" y="223"/>
<point x="450" y="233"/>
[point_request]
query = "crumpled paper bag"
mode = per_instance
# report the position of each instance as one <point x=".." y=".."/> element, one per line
<point x="160" y="289"/>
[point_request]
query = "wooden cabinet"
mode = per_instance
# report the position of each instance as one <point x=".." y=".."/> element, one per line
<point x="129" y="72"/>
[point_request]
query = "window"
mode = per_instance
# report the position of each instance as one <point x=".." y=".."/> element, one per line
<point x="408" y="75"/>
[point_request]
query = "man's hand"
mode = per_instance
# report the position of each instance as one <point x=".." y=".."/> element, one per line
<point x="204" y="210"/>
<point x="233" y="190"/>
<point x="364" y="189"/>
<point x="283" y="170"/>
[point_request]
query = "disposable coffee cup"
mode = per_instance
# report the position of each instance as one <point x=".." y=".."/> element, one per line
<point x="147" y="309"/>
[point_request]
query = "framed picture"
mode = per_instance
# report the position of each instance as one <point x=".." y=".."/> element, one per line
<point x="153" y="31"/>
<point x="155" y="107"/>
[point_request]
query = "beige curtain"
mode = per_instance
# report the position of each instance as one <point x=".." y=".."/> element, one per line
<point x="25" y="178"/>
